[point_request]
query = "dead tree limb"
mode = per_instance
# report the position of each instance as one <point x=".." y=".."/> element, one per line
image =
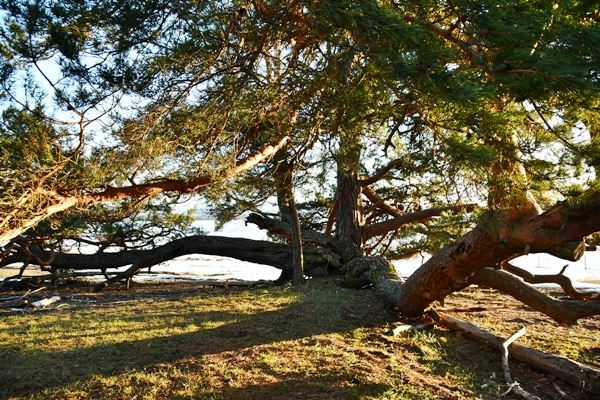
<point x="577" y="374"/>
<point x="563" y="281"/>
<point x="564" y="312"/>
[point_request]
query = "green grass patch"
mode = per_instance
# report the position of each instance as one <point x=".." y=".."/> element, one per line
<point x="318" y="341"/>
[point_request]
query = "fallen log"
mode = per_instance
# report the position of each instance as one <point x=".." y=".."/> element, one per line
<point x="277" y="255"/>
<point x="45" y="302"/>
<point x="577" y="374"/>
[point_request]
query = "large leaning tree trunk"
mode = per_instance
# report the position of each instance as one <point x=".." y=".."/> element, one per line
<point x="513" y="226"/>
<point x="466" y="261"/>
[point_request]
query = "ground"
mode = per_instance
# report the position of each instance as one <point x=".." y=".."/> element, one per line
<point x="182" y="340"/>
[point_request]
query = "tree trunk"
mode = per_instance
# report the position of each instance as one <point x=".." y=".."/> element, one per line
<point x="349" y="219"/>
<point x="490" y="243"/>
<point x="298" y="257"/>
<point x="288" y="213"/>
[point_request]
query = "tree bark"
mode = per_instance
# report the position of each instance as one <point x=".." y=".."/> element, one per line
<point x="490" y="243"/>
<point x="380" y="273"/>
<point x="380" y="203"/>
<point x="285" y="229"/>
<point x="349" y="220"/>
<point x="397" y="222"/>
<point x="298" y="258"/>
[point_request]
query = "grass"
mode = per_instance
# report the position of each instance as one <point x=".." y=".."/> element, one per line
<point x="318" y="341"/>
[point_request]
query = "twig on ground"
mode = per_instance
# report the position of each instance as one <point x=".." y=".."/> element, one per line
<point x="23" y="296"/>
<point x="514" y="386"/>
<point x="505" y="345"/>
<point x="559" y="390"/>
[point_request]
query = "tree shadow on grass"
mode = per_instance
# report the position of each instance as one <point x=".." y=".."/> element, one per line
<point x="30" y="369"/>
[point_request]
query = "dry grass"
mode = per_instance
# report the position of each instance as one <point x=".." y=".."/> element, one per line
<point x="319" y="341"/>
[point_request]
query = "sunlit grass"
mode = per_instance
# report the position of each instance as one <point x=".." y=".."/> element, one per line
<point x="316" y="341"/>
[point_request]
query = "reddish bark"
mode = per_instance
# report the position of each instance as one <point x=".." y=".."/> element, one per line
<point x="384" y="227"/>
<point x="349" y="220"/>
<point x="492" y="242"/>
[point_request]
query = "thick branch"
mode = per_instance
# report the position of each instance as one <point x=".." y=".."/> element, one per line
<point x="570" y="251"/>
<point x="277" y="255"/>
<point x="395" y="223"/>
<point x="563" y="281"/>
<point x="62" y="203"/>
<point x="492" y="242"/>
<point x="380" y="173"/>
<point x="380" y="203"/>
<point x="565" y="312"/>
<point x="285" y="229"/>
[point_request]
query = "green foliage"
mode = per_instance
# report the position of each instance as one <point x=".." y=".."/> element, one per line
<point x="432" y="235"/>
<point x="480" y="100"/>
<point x="130" y="223"/>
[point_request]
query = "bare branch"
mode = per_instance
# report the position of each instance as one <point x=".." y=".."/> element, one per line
<point x="565" y="312"/>
<point x="380" y="173"/>
<point x="62" y="203"/>
<point x="395" y="223"/>
<point x="563" y="281"/>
